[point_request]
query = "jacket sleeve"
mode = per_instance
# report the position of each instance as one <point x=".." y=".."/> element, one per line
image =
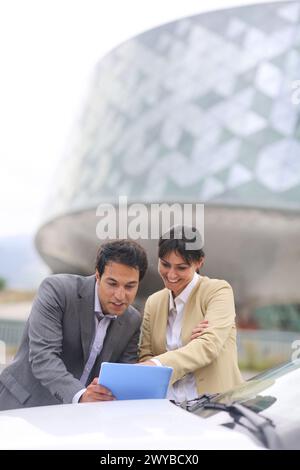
<point x="200" y="352"/>
<point x="45" y="341"/>
<point x="145" y="351"/>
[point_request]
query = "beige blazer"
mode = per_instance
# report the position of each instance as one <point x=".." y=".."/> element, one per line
<point x="213" y="356"/>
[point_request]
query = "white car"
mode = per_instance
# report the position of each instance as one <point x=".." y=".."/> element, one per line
<point x="126" y="424"/>
<point x="266" y="408"/>
<point x="263" y="413"/>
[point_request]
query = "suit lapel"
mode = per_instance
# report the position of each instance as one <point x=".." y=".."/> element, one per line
<point x="86" y="299"/>
<point x="111" y="339"/>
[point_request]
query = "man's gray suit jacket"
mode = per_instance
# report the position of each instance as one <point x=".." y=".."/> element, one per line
<point x="56" y="344"/>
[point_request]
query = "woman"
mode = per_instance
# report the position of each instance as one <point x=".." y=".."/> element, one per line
<point x="174" y="332"/>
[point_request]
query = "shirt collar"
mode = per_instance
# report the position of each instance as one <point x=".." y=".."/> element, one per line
<point x="184" y="295"/>
<point x="98" y="309"/>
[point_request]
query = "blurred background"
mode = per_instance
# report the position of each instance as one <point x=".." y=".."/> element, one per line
<point x="186" y="102"/>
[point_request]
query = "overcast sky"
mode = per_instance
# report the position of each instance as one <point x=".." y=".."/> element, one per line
<point x="48" y="49"/>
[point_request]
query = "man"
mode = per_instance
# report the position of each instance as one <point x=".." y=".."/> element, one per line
<point x="75" y="324"/>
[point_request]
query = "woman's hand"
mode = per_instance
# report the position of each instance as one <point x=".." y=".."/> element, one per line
<point x="199" y="329"/>
<point x="147" y="363"/>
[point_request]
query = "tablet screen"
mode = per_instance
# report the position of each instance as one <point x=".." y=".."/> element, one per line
<point x="134" y="381"/>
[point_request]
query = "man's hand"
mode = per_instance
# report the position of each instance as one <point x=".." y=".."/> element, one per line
<point x="199" y="329"/>
<point x="96" y="392"/>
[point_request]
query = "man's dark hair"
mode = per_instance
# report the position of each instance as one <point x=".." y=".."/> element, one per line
<point x="180" y="240"/>
<point x="125" y="252"/>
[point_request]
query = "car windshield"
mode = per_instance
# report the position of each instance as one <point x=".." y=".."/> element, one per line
<point x="275" y="392"/>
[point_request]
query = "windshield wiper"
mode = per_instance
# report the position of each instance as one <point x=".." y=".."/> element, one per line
<point x="261" y="424"/>
<point x="196" y="403"/>
<point x="199" y="402"/>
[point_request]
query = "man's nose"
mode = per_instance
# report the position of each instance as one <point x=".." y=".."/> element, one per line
<point x="120" y="293"/>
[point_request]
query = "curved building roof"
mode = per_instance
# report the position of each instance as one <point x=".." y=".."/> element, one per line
<point x="205" y="109"/>
<point x="201" y="109"/>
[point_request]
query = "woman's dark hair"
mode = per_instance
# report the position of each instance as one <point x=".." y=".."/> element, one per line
<point x="125" y="252"/>
<point x="185" y="241"/>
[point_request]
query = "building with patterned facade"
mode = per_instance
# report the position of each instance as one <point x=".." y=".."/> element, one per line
<point x="202" y="110"/>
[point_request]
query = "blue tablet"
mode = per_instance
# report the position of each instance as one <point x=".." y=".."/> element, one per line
<point x="134" y="382"/>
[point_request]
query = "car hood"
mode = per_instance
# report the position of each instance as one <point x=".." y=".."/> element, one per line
<point x="134" y="424"/>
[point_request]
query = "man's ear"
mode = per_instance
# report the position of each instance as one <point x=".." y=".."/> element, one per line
<point x="97" y="275"/>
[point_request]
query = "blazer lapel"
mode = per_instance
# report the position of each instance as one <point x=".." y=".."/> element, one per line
<point x="160" y="324"/>
<point x="86" y="299"/>
<point x="111" y="339"/>
<point x="191" y="316"/>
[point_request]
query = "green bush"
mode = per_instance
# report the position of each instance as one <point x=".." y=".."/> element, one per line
<point x="2" y="283"/>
